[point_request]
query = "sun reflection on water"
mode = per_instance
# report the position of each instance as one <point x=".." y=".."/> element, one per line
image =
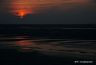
<point x="24" y="45"/>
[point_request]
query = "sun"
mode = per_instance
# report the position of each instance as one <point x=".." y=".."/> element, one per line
<point x="21" y="13"/>
<point x="21" y="8"/>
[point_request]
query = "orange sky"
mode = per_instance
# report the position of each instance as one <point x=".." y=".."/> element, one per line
<point x="24" y="7"/>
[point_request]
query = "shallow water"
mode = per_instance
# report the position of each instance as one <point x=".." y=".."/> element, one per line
<point x="49" y="46"/>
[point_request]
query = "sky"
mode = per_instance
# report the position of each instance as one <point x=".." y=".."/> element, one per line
<point x="47" y="12"/>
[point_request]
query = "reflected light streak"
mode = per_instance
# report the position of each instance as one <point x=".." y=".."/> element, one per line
<point x="24" y="45"/>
